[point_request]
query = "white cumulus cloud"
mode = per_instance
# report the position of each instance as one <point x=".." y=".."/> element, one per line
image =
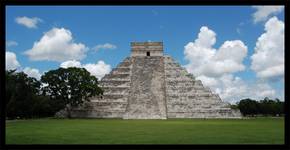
<point x="216" y="68"/>
<point x="28" y="22"/>
<point x="11" y="61"/>
<point x="264" y="12"/>
<point x="268" y="59"/>
<point x="206" y="60"/>
<point x="232" y="88"/>
<point x="98" y="70"/>
<point x="57" y="45"/>
<point x="105" y="46"/>
<point x="32" y="72"/>
<point x="70" y="63"/>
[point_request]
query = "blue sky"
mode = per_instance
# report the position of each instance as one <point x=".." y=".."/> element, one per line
<point x="120" y="25"/>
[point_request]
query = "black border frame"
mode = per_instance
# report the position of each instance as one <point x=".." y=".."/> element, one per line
<point x="5" y="3"/>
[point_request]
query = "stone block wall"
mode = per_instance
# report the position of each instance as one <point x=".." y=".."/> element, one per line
<point x="147" y="92"/>
<point x="114" y="101"/>
<point x="141" y="48"/>
<point x="188" y="98"/>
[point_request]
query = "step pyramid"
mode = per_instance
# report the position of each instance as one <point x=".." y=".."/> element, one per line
<point x="150" y="85"/>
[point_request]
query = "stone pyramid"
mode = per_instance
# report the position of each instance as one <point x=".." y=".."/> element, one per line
<point x="149" y="85"/>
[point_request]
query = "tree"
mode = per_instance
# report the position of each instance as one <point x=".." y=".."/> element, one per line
<point x="22" y="93"/>
<point x="248" y="107"/>
<point x="263" y="107"/>
<point x="70" y="87"/>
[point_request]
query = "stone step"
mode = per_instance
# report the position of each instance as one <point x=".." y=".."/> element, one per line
<point x="111" y="92"/>
<point x="205" y="110"/>
<point x="174" y="70"/>
<point x="177" y="77"/>
<point x="180" y="86"/>
<point x="117" y="76"/>
<point x="115" y="79"/>
<point x="109" y="98"/>
<point x="97" y="114"/>
<point x="121" y="88"/>
<point x="199" y="110"/>
<point x="188" y="102"/>
<point x="125" y="64"/>
<point x="228" y="114"/>
<point x="180" y="91"/>
<point x="120" y="73"/>
<point x="179" y="83"/>
<point x="116" y="92"/>
<point x="113" y="96"/>
<point x="114" y="83"/>
<point x="110" y="108"/>
<point x="173" y="95"/>
<point x="118" y="87"/>
<point x="121" y="70"/>
<point x="191" y="95"/>
<point x="121" y="100"/>
<point x="104" y="103"/>
<point x="172" y="89"/>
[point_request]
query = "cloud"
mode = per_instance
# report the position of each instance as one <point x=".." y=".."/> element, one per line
<point x="57" y="45"/>
<point x="105" y="46"/>
<point x="268" y="59"/>
<point x="98" y="70"/>
<point x="28" y="22"/>
<point x="11" y="61"/>
<point x="70" y="63"/>
<point x="12" y="64"/>
<point x="216" y="68"/>
<point x="31" y="72"/>
<point x="264" y="12"/>
<point x="233" y="89"/>
<point x="205" y="60"/>
<point x="11" y="43"/>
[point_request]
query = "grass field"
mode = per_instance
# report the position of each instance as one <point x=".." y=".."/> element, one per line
<point x="172" y="131"/>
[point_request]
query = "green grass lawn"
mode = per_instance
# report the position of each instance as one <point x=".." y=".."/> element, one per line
<point x="172" y="131"/>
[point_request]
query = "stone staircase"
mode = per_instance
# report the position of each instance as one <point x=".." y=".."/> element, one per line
<point x="147" y="93"/>
<point x="188" y="98"/>
<point x="113" y="102"/>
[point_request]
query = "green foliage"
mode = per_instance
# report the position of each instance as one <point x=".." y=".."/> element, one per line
<point x="22" y="97"/>
<point x="70" y="87"/>
<point x="266" y="107"/>
<point x="171" y="131"/>
<point x="26" y="99"/>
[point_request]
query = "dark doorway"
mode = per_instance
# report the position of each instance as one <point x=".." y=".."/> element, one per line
<point x="148" y="54"/>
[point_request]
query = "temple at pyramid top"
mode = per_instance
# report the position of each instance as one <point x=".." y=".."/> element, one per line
<point x="146" y="49"/>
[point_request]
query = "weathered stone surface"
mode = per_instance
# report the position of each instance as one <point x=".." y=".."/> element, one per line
<point x="153" y="87"/>
<point x="141" y="48"/>
<point x="147" y="92"/>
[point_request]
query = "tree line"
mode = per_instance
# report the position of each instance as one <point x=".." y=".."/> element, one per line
<point x="265" y="107"/>
<point x="66" y="88"/>
<point x="59" y="89"/>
